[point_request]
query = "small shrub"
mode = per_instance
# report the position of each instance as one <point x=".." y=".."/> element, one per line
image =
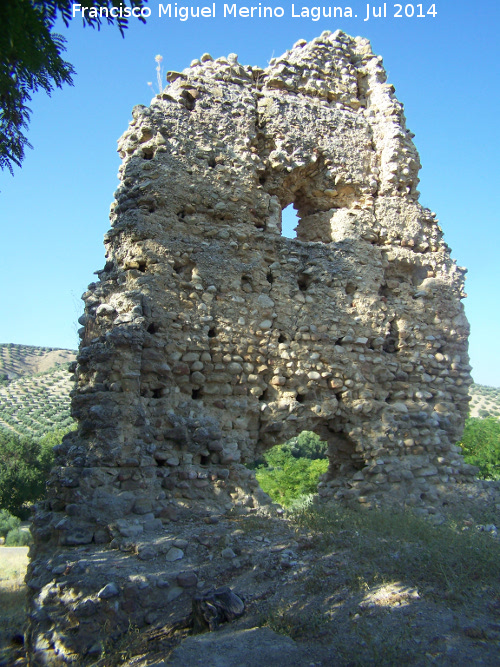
<point x="24" y="467"/>
<point x="18" y="538"/>
<point x="8" y="522"/>
<point x="301" y="503"/>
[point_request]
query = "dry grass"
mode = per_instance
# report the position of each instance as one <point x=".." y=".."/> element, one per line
<point x="389" y="545"/>
<point x="13" y="564"/>
<point x="390" y="588"/>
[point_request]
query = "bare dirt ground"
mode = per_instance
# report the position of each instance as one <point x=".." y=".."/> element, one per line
<point x="338" y="587"/>
<point x="347" y="588"/>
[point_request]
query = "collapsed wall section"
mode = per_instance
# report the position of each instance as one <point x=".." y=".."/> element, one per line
<point x="209" y="337"/>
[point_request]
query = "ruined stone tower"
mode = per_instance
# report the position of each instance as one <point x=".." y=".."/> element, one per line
<point x="210" y="337"/>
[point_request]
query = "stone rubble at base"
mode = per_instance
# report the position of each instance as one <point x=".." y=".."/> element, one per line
<point x="209" y="337"/>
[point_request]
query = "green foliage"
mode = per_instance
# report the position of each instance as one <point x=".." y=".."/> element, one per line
<point x="22" y="473"/>
<point x="30" y="59"/>
<point x="8" y="522"/>
<point x="289" y="473"/>
<point x="48" y="442"/>
<point x="18" y="538"/>
<point x="306" y="445"/>
<point x="24" y="467"/>
<point x="286" y="478"/>
<point x="481" y="445"/>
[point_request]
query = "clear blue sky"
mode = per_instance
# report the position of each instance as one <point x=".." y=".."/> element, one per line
<point x="54" y="212"/>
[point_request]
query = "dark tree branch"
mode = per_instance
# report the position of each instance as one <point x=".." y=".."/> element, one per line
<point x="30" y="59"/>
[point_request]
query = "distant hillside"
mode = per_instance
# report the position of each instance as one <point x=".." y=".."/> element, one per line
<point x="21" y="360"/>
<point x="485" y="401"/>
<point x="34" y="388"/>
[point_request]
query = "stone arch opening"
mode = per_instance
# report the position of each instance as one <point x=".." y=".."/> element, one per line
<point x="346" y="459"/>
<point x="291" y="470"/>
